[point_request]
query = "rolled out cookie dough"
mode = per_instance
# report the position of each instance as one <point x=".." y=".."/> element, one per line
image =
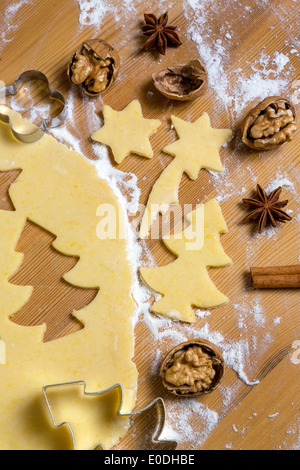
<point x="60" y="191"/>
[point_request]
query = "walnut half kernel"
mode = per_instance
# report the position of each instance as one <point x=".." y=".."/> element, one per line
<point x="95" y="66"/>
<point x="270" y="124"/>
<point x="192" y="368"/>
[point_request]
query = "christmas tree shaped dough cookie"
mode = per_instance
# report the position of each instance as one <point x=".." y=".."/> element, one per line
<point x="127" y="131"/>
<point x="185" y="283"/>
<point x="60" y="191"/>
<point x="198" y="147"/>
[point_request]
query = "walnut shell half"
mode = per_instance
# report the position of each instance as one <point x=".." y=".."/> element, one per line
<point x="270" y="124"/>
<point x="192" y="368"/>
<point x="95" y="66"/>
<point x="182" y="82"/>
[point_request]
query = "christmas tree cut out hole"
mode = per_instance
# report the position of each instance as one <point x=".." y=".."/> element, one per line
<point x="6" y="179"/>
<point x="53" y="300"/>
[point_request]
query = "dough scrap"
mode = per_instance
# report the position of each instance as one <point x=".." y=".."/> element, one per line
<point x="198" y="147"/>
<point x="127" y="131"/>
<point x="59" y="190"/>
<point x="185" y="283"/>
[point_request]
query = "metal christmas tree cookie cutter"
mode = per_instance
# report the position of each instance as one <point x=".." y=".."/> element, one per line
<point x="12" y="90"/>
<point x="161" y="414"/>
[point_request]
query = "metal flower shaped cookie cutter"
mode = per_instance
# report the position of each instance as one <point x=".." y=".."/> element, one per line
<point x="12" y="90"/>
<point x="161" y="418"/>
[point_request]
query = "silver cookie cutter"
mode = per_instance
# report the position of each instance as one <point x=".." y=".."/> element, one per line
<point x="12" y="90"/>
<point x="161" y="415"/>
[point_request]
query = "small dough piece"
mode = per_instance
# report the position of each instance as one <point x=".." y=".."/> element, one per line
<point x="127" y="131"/>
<point x="185" y="283"/>
<point x="198" y="147"/>
<point x="60" y="191"/>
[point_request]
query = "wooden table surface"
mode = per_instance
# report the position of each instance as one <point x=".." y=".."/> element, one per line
<point x="259" y="327"/>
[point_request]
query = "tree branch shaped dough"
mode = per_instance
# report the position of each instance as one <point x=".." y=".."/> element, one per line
<point x="198" y="147"/>
<point x="185" y="283"/>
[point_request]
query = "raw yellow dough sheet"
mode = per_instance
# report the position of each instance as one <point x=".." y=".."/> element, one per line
<point x="59" y="190"/>
<point x="185" y="283"/>
<point x="127" y="131"/>
<point x="197" y="147"/>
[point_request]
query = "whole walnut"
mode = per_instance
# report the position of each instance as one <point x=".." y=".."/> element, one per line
<point x="192" y="368"/>
<point x="95" y="66"/>
<point x="270" y="124"/>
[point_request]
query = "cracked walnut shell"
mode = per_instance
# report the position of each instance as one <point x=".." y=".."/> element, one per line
<point x="192" y="368"/>
<point x="270" y="124"/>
<point x="95" y="66"/>
<point x="182" y="82"/>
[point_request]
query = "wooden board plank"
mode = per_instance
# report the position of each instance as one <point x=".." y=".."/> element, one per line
<point x="262" y="324"/>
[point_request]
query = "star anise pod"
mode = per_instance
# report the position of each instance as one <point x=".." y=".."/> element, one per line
<point x="161" y="34"/>
<point x="266" y="209"/>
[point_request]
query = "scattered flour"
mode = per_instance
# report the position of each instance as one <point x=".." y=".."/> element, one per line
<point x="234" y="89"/>
<point x="191" y="411"/>
<point x="274" y="415"/>
<point x="281" y="179"/>
<point x="250" y="310"/>
<point x="93" y="12"/>
<point x="8" y="23"/>
<point x="294" y="430"/>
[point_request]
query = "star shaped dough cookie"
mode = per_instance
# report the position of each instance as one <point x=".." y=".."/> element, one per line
<point x="127" y="131"/>
<point x="198" y="145"/>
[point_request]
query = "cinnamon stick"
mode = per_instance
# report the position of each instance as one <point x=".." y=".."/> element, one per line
<point x="276" y="277"/>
